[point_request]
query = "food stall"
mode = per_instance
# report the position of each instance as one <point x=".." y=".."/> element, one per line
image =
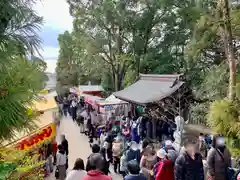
<point x="92" y="100"/>
<point x="37" y="140"/>
<point x="112" y="106"/>
<point x="93" y="90"/>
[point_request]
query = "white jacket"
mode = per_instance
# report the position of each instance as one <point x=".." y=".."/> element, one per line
<point x="76" y="175"/>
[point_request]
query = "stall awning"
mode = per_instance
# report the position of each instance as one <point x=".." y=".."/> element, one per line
<point x="44" y="121"/>
<point x="150" y="88"/>
<point x="45" y="104"/>
<point x="90" y="88"/>
<point x="92" y="99"/>
<point x="111" y="100"/>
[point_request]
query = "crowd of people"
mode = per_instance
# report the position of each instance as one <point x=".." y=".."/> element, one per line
<point x="135" y="160"/>
<point x="148" y="163"/>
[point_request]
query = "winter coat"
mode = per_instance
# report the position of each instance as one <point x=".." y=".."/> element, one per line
<point x="107" y="158"/>
<point x="147" y="165"/>
<point x="117" y="149"/>
<point x="65" y="146"/>
<point x="76" y="175"/>
<point x="131" y="155"/>
<point x="187" y="168"/>
<point x="217" y="166"/>
<point x="96" y="175"/>
<point x="165" y="170"/>
<point x="88" y="165"/>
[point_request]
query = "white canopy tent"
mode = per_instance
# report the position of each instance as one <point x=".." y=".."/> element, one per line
<point x="111" y="100"/>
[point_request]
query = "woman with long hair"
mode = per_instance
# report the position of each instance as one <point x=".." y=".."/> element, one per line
<point x="78" y="171"/>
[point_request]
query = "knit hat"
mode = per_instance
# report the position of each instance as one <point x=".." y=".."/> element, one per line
<point x="161" y="153"/>
<point x="168" y="143"/>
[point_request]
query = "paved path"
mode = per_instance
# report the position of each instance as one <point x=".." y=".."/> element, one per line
<point x="78" y="144"/>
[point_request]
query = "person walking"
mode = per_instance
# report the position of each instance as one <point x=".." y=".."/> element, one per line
<point x="74" y="109"/>
<point x="97" y="163"/>
<point x="189" y="165"/>
<point x="78" y="172"/>
<point x="202" y="145"/>
<point x="61" y="162"/>
<point x="117" y="148"/>
<point x="172" y="154"/>
<point x="65" y="106"/>
<point x="218" y="160"/>
<point x="106" y="153"/>
<point x="134" y="171"/>
<point x="133" y="152"/>
<point x="164" y="168"/>
<point x="123" y="165"/>
<point x="64" y="144"/>
<point x="55" y="150"/>
<point x="95" y="149"/>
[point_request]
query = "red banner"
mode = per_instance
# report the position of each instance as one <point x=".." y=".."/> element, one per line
<point x="45" y="134"/>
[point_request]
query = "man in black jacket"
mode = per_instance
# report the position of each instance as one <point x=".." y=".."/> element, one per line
<point x="65" y="146"/>
<point x="95" y="149"/>
<point x="188" y="165"/>
<point x="64" y="143"/>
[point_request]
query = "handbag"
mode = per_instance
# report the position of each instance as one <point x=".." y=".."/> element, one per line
<point x="57" y="173"/>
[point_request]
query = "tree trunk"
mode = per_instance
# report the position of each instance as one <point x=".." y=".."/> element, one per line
<point x="229" y="50"/>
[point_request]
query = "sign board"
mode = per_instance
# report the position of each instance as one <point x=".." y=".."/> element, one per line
<point x="38" y="138"/>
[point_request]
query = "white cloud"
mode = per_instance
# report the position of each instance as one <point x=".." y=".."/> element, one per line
<point x="55" y="13"/>
<point x="51" y="65"/>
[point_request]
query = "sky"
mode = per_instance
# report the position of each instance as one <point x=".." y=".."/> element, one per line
<point x="56" y="20"/>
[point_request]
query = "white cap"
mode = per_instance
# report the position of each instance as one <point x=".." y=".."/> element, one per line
<point x="161" y="153"/>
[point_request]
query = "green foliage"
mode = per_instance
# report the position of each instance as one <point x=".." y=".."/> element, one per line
<point x="20" y="78"/>
<point x="14" y="164"/>
<point x="115" y="40"/>
<point x="223" y="118"/>
<point x="19" y="25"/>
<point x="124" y="38"/>
<point x="22" y="88"/>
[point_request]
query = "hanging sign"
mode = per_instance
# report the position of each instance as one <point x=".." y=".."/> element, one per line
<point x="45" y="134"/>
<point x="108" y="108"/>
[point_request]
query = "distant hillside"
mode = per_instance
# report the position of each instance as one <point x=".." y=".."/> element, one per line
<point x="51" y="83"/>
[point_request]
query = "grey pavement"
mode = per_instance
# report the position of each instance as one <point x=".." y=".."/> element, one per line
<point x="78" y="145"/>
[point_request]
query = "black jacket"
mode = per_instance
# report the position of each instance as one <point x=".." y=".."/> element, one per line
<point x="90" y="167"/>
<point x="65" y="146"/>
<point x="188" y="169"/>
